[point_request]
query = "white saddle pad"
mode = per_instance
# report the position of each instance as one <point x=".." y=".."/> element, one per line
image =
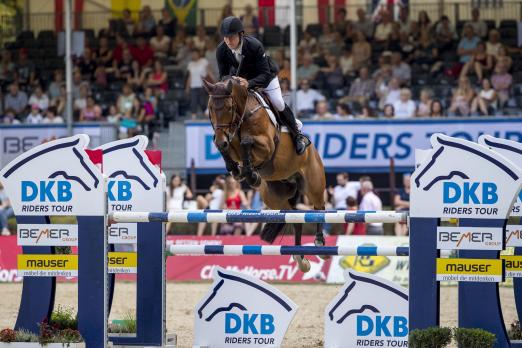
<point x="262" y="101"/>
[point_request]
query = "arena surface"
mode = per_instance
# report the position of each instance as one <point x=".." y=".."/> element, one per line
<point x="306" y="329"/>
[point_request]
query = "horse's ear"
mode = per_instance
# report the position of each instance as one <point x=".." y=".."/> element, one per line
<point x="209" y="87"/>
<point x="230" y="85"/>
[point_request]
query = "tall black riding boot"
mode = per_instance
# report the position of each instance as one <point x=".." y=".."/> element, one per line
<point x="301" y="142"/>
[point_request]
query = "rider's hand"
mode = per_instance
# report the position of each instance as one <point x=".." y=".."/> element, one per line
<point x="243" y="82"/>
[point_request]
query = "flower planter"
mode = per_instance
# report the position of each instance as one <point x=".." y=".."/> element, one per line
<point x="38" y="345"/>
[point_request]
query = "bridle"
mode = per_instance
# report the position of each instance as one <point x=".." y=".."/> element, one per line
<point x="230" y="129"/>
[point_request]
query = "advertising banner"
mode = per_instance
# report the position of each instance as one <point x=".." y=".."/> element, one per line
<point x="470" y="270"/>
<point x="362" y="144"/>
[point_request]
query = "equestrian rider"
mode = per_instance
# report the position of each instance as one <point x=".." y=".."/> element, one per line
<point x="244" y="56"/>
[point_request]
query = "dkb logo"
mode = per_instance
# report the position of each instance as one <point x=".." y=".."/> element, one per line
<point x="470" y="193"/>
<point x="120" y="190"/>
<point x="387" y="326"/>
<point x="46" y="191"/>
<point x="257" y="324"/>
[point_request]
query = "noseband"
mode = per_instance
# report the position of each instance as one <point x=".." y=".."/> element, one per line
<point x="230" y="129"/>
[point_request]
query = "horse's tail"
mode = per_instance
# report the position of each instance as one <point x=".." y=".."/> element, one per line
<point x="272" y="230"/>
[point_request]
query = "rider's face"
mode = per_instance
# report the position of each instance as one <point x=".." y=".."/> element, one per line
<point x="232" y="41"/>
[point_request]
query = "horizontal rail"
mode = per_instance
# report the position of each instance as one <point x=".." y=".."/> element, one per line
<point x="274" y="216"/>
<point x="289" y="250"/>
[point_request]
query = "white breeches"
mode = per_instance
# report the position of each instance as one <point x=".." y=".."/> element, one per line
<point x="273" y="91"/>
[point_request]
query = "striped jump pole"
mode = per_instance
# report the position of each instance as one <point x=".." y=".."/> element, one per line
<point x="261" y="216"/>
<point x="362" y="250"/>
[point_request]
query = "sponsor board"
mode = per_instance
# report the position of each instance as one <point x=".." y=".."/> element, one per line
<point x="513" y="265"/>
<point x="240" y="310"/>
<point x="122" y="262"/>
<point x="514" y="236"/>
<point x="454" y="181"/>
<point x="470" y="270"/>
<point x="470" y="238"/>
<point x="392" y="268"/>
<point x="368" y="311"/>
<point x="47" y="235"/>
<point x="124" y="233"/>
<point x="33" y="265"/>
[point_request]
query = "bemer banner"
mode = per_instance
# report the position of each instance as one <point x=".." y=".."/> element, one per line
<point x="363" y="145"/>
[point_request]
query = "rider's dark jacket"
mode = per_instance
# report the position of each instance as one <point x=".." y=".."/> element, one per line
<point x="256" y="67"/>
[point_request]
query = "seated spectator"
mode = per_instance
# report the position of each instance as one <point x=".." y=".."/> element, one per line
<point x="113" y="116"/>
<point x="424" y="25"/>
<point x="480" y="28"/>
<point x="198" y="69"/>
<point x="436" y="109"/>
<point x="333" y="76"/>
<point x="426" y="53"/>
<point x="91" y="112"/>
<point x="306" y="98"/>
<point x="467" y="45"/>
<point x="343" y="112"/>
<point x="147" y="114"/>
<point x="160" y="43"/>
<point x="321" y="111"/>
<point x="60" y="102"/>
<point x="383" y="74"/>
<point x="54" y="86"/>
<point x="158" y="79"/>
<point x="400" y="69"/>
<point x="388" y="111"/>
<point x="401" y="202"/>
<point x="362" y="88"/>
<point x="212" y="200"/>
<point x="136" y="77"/>
<point x="426" y="99"/>
<point x="389" y="94"/>
<point x="51" y="117"/>
<point x="81" y="102"/>
<point x="308" y="70"/>
<point x="147" y="23"/>
<point x="486" y="100"/>
<point x="78" y="83"/>
<point x="370" y="201"/>
<point x="445" y="34"/>
<point x="126" y="100"/>
<point x="100" y="76"/>
<point x="384" y="29"/>
<point x="308" y="42"/>
<point x="104" y="53"/>
<point x="34" y="117"/>
<point x="361" y="50"/>
<point x="285" y="71"/>
<point x="366" y="111"/>
<point x="168" y="22"/>
<point x="363" y="24"/>
<point x="326" y="39"/>
<point x="182" y="56"/>
<point x="25" y="68"/>
<point x="121" y="45"/>
<point x="10" y="117"/>
<point x="234" y="199"/>
<point x="481" y="62"/>
<point x="405" y="107"/>
<point x="16" y="100"/>
<point x="7" y="66"/>
<point x="129" y="120"/>
<point x="346" y="61"/>
<point x="87" y="64"/>
<point x="200" y="40"/>
<point x="126" y="67"/>
<point x="341" y="22"/>
<point x="494" y="43"/>
<point x="504" y="58"/>
<point x="462" y="97"/>
<point x="250" y="21"/>
<point x="142" y="52"/>
<point x="404" y="22"/>
<point x="128" y="21"/>
<point x="6" y="211"/>
<point x="39" y="98"/>
<point x="502" y="81"/>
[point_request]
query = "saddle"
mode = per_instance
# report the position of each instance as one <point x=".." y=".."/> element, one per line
<point x="264" y="101"/>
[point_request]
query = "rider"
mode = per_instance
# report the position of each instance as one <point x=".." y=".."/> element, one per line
<point x="244" y="56"/>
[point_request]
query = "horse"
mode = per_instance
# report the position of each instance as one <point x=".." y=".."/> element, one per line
<point x="255" y="150"/>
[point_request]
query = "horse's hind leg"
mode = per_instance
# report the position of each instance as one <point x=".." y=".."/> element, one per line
<point x="252" y="177"/>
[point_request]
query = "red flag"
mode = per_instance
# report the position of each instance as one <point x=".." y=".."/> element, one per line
<point x="266" y="13"/>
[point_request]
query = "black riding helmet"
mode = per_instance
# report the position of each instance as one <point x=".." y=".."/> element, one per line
<point x="231" y="26"/>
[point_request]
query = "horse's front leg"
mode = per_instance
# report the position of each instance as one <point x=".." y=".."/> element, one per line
<point x="232" y="166"/>
<point x="251" y="175"/>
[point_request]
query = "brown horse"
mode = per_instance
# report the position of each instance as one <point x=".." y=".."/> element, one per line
<point x="255" y="150"/>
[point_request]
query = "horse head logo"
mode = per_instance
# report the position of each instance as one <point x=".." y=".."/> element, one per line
<point x="364" y="301"/>
<point x="239" y="305"/>
<point x="126" y="159"/>
<point x="466" y="175"/>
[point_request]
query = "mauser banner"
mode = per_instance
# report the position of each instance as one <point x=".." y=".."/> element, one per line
<point x="363" y="144"/>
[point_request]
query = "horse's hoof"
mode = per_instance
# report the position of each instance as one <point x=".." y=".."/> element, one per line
<point x="255" y="180"/>
<point x="237" y="175"/>
<point x="320" y="242"/>
<point x="302" y="263"/>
